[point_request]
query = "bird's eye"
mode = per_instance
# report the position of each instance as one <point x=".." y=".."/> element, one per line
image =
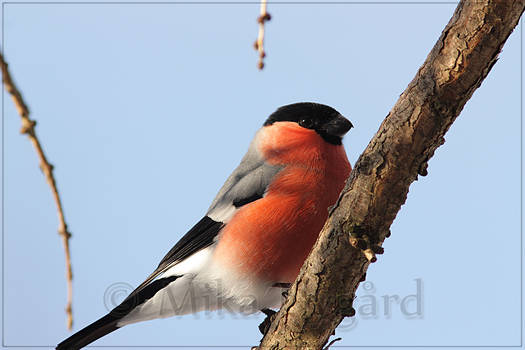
<point x="305" y="123"/>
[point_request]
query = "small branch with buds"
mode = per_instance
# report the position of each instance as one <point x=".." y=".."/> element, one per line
<point x="28" y="128"/>
<point x="259" y="43"/>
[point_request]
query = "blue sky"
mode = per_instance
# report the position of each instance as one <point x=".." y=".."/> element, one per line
<point x="144" y="109"/>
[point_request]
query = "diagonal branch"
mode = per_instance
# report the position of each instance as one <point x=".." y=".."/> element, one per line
<point x="28" y="128"/>
<point x="323" y="293"/>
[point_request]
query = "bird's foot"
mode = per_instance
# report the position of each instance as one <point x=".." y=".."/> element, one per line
<point x="285" y="286"/>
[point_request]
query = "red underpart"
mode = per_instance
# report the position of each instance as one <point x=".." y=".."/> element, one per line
<point x="271" y="237"/>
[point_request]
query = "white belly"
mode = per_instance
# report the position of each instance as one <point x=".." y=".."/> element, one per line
<point x="204" y="285"/>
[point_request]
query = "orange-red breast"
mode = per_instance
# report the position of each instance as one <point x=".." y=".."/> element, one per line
<point x="258" y="230"/>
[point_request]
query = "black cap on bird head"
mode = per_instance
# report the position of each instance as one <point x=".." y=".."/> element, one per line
<point x="325" y="120"/>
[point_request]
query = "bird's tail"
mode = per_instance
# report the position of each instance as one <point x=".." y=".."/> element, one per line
<point x="89" y="334"/>
<point x="110" y="322"/>
<point x="105" y="325"/>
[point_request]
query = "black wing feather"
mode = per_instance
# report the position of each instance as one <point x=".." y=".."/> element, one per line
<point x="243" y="201"/>
<point x="199" y="237"/>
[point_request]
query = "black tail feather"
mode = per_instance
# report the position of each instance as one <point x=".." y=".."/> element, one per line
<point x="98" y="329"/>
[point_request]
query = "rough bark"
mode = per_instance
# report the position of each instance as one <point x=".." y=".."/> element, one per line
<point x="324" y="291"/>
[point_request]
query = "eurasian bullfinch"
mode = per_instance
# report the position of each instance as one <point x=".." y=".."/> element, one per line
<point x="248" y="248"/>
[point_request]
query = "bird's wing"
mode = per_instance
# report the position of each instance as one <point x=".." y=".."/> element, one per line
<point x="248" y="182"/>
<point x="200" y="236"/>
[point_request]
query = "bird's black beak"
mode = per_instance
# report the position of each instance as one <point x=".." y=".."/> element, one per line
<point x="338" y="126"/>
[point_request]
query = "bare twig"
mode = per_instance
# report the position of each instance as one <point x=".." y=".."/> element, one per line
<point x="259" y="43"/>
<point x="28" y="128"/>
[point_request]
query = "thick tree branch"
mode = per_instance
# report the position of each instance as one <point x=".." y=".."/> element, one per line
<point x="28" y="128"/>
<point x="324" y="291"/>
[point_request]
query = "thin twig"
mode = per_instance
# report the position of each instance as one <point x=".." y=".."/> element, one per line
<point x="259" y="43"/>
<point x="28" y="128"/>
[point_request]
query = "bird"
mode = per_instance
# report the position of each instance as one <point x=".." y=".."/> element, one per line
<point x="245" y="252"/>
